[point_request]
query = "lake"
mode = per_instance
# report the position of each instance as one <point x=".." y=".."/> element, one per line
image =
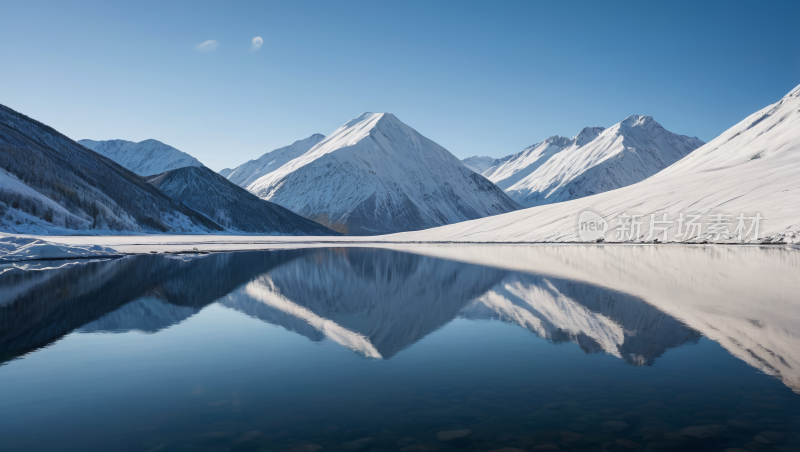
<point x="419" y="348"/>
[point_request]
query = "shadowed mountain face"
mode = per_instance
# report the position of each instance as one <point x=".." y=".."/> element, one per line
<point x="76" y="188"/>
<point x="230" y="205"/>
<point x="374" y="302"/>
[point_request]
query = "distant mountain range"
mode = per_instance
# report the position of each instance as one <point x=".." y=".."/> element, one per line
<point x="749" y="169"/>
<point x="376" y="175"/>
<point x="144" y="158"/>
<point x="594" y="161"/>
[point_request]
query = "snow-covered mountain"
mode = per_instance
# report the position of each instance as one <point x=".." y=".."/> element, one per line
<point x="230" y="205"/>
<point x="247" y="173"/>
<point x="594" y="161"/>
<point x="144" y="158"/>
<point x="750" y="168"/>
<point x="377" y="175"/>
<point x="479" y="164"/>
<point x="86" y="190"/>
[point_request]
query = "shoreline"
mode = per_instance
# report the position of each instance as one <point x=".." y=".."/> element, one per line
<point x="129" y="245"/>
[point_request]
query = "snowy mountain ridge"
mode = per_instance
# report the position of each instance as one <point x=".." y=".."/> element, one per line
<point x="248" y="172"/>
<point x="750" y="168"/>
<point x="377" y="175"/>
<point x="144" y="158"/>
<point x="594" y="161"/>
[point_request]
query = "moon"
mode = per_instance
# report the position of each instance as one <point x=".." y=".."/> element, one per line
<point x="257" y="42"/>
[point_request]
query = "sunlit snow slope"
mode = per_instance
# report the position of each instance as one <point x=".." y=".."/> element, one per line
<point x="594" y="161"/>
<point x="751" y="168"/>
<point x="376" y="175"/>
<point x="144" y="158"/>
<point x="247" y="173"/>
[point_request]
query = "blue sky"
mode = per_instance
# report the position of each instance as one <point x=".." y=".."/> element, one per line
<point x="485" y="78"/>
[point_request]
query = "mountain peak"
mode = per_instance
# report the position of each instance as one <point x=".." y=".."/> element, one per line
<point x="557" y="140"/>
<point x="637" y="120"/>
<point x="151" y="141"/>
<point x="366" y="117"/>
<point x="559" y="170"/>
<point x="145" y="158"/>
<point x="370" y="120"/>
<point x="376" y="174"/>
<point x="587" y="135"/>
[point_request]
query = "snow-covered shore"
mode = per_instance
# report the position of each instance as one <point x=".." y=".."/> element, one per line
<point x="23" y="248"/>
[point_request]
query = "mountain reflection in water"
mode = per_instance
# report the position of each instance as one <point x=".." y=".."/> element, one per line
<point x="375" y="302"/>
<point x="263" y="350"/>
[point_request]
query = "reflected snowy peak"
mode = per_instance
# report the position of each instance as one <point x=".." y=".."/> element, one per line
<point x="633" y="303"/>
<point x="375" y="302"/>
<point x="597" y="319"/>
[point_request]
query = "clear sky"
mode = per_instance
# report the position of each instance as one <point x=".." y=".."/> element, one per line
<point x="486" y="78"/>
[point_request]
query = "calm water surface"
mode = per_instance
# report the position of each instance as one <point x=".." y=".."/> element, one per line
<point x="617" y="349"/>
